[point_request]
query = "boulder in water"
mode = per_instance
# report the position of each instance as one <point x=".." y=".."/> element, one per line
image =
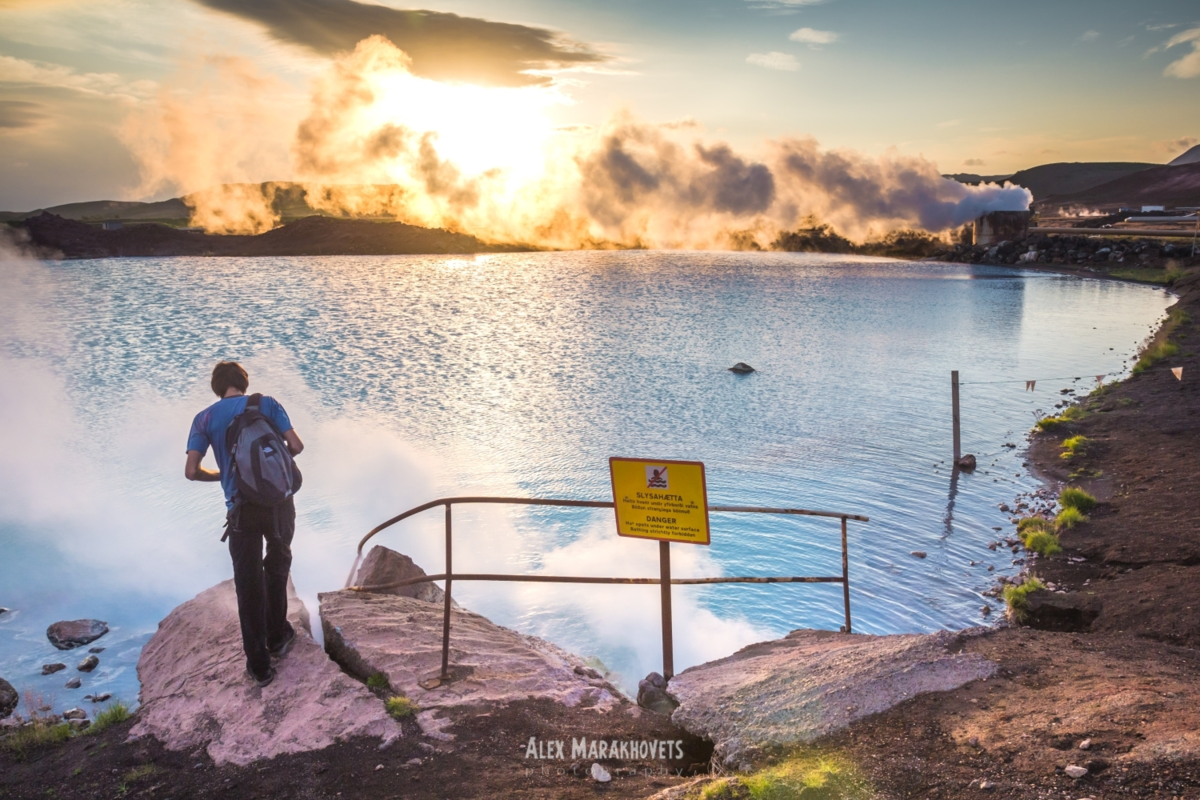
<point x="77" y="633"/>
<point x="50" y="669"/>
<point x="741" y="368"/>
<point x="966" y="463"/>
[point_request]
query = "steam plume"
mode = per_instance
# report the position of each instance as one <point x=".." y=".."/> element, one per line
<point x="379" y="141"/>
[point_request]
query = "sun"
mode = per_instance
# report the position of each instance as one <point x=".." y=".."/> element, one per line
<point x="476" y="128"/>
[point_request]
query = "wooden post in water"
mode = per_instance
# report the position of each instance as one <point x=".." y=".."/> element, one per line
<point x="664" y="576"/>
<point x="954" y="403"/>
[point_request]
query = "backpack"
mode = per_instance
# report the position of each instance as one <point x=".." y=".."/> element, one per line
<point x="264" y="472"/>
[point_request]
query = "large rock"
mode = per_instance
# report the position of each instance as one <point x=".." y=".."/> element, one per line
<point x="8" y="699"/>
<point x="401" y="637"/>
<point x="196" y="692"/>
<point x="383" y="566"/>
<point x="811" y="683"/>
<point x="77" y="633"/>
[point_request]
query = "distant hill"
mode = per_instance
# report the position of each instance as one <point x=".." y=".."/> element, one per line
<point x="1190" y="157"/>
<point x="309" y="236"/>
<point x="289" y="200"/>
<point x="172" y="209"/>
<point x="1050" y="180"/>
<point x="1165" y="185"/>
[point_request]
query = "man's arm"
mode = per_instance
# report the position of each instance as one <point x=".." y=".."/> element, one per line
<point x="194" y="472"/>
<point x="293" y="442"/>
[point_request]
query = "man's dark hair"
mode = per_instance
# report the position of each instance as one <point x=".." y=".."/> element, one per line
<point x="226" y="374"/>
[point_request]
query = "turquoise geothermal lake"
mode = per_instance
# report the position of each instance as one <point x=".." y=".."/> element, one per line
<point x="411" y="378"/>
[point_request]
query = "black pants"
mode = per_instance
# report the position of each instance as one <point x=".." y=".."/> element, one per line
<point x="261" y="583"/>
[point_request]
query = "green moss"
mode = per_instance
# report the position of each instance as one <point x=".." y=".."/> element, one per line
<point x="110" y="715"/>
<point x="1074" y="497"/>
<point x="400" y="707"/>
<point x="1074" y="446"/>
<point x="378" y="681"/>
<point x="1016" y="597"/>
<point x="810" y="774"/>
<point x="1069" y="517"/>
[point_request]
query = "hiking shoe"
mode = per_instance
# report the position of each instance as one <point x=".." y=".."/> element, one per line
<point x="280" y="650"/>
<point x="265" y="679"/>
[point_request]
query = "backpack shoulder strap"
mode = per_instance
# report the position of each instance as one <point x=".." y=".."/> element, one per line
<point x="253" y="402"/>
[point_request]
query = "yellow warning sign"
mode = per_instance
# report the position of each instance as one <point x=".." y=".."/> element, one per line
<point x="663" y="500"/>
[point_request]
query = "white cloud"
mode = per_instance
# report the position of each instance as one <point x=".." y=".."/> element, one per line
<point x="812" y="36"/>
<point x="781" y="61"/>
<point x="1166" y="26"/>
<point x="1189" y="65"/>
<point x="106" y="84"/>
<point x="1090" y="36"/>
<point x="950" y="123"/>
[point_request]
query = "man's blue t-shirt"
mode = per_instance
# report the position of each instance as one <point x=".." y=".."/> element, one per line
<point x="208" y="429"/>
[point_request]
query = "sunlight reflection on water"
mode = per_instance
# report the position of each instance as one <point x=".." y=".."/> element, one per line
<point x="417" y="377"/>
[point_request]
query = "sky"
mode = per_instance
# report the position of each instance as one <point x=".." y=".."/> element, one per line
<point x="109" y="99"/>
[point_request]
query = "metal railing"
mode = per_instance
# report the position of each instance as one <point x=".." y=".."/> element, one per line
<point x="664" y="580"/>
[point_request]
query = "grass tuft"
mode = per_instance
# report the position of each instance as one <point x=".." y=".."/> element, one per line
<point x="111" y="714"/>
<point x="1074" y="497"/>
<point x="31" y="737"/>
<point x="1032" y="524"/>
<point x="1069" y="517"/>
<point x="1044" y="543"/>
<point x="1075" y="446"/>
<point x="378" y="681"/>
<point x="400" y="707"/>
<point x="1016" y="598"/>
<point x="1069" y="414"/>
<point x="1038" y="536"/>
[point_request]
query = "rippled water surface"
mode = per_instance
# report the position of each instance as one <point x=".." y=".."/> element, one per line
<point x="416" y="377"/>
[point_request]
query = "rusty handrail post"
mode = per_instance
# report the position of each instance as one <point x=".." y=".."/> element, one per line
<point x="668" y="638"/>
<point x="846" y="575"/>
<point x="446" y="611"/>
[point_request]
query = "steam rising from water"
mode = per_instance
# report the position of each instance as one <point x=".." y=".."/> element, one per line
<point x="98" y="490"/>
<point x="379" y="141"/>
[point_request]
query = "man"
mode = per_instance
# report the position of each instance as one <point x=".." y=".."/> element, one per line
<point x="261" y="583"/>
